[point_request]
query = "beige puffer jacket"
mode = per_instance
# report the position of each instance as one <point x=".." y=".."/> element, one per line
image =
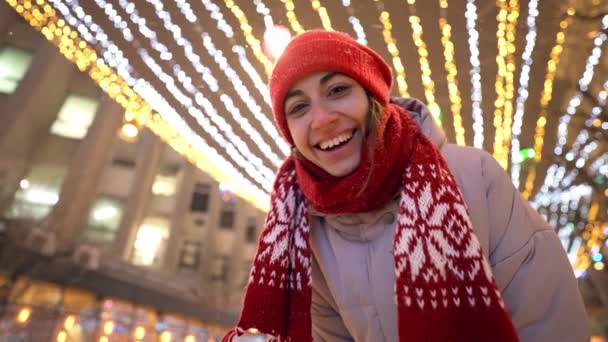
<point x="353" y="269"/>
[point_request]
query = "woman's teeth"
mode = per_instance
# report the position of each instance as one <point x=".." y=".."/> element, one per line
<point x="324" y="145"/>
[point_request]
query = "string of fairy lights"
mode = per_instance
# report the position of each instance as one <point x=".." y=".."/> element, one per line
<point x="246" y="158"/>
<point x="322" y="11"/>
<point x="451" y="72"/>
<point x="522" y="92"/>
<point x="291" y="16"/>
<point x="475" y="72"/>
<point x="558" y="185"/>
<point x="195" y="77"/>
<point x="546" y="96"/>
<point x="391" y="44"/>
<point x="355" y="22"/>
<point x="427" y="80"/>
<point x="507" y="23"/>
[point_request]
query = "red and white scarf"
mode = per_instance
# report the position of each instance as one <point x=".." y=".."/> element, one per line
<point x="444" y="286"/>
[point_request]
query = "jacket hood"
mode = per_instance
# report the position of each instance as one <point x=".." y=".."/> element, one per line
<point x="423" y="117"/>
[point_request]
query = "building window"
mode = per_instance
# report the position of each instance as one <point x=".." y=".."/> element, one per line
<point x="227" y="218"/>
<point x="251" y="231"/>
<point x="104" y="220"/>
<point x="151" y="241"/>
<point x="37" y="193"/>
<point x="14" y="63"/>
<point x="219" y="269"/>
<point x="200" y="198"/>
<point x="165" y="183"/>
<point x="189" y="258"/>
<point x="75" y="117"/>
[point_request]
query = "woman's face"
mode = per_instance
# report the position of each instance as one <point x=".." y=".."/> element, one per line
<point x="327" y="115"/>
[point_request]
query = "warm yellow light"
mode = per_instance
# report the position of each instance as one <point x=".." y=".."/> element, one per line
<point x="69" y="322"/>
<point x="108" y="327"/>
<point x="129" y="130"/>
<point x="189" y="338"/>
<point x="140" y="333"/>
<point x="24" y="184"/>
<point x="598" y="266"/>
<point x="103" y="339"/>
<point x="23" y="315"/>
<point x="62" y="336"/>
<point x="165" y="336"/>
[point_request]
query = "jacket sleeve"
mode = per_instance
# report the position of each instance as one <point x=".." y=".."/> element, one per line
<point x="530" y="266"/>
<point x="327" y="325"/>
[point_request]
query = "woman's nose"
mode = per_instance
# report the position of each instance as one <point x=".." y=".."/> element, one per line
<point x="322" y="116"/>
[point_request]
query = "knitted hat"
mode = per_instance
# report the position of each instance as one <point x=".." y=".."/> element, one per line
<point x="318" y="50"/>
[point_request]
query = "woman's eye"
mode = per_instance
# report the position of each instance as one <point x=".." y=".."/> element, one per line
<point x="297" y="108"/>
<point x="339" y="89"/>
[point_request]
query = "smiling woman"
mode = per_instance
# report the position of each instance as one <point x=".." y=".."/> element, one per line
<point x="381" y="231"/>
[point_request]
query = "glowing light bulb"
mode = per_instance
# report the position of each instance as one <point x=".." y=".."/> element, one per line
<point x="276" y="39"/>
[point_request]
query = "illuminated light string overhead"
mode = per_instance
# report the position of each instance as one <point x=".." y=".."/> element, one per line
<point x="583" y="83"/>
<point x="174" y="130"/>
<point x="546" y="96"/>
<point x="475" y="72"/>
<point x="353" y="20"/>
<point x="391" y="44"/>
<point x="427" y="80"/>
<point x="507" y="24"/>
<point x="245" y="162"/>
<point x="243" y="156"/>
<point x="322" y="11"/>
<point x="262" y="178"/>
<point x="253" y="107"/>
<point x="251" y="40"/>
<point x="451" y="72"/>
<point x="291" y="16"/>
<point x="240" y="51"/>
<point x="581" y="148"/>
<point x="235" y="81"/>
<point x="239" y="87"/>
<point x="522" y="92"/>
<point x="253" y="165"/>
<point x="262" y="9"/>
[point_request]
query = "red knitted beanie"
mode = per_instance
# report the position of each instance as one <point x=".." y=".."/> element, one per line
<point x="319" y="50"/>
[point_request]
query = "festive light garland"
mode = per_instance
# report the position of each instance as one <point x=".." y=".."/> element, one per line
<point x="353" y="20"/>
<point x="581" y="148"/>
<point x="322" y="11"/>
<point x="391" y="44"/>
<point x="291" y="16"/>
<point x="476" y="93"/>
<point x="251" y="40"/>
<point x="243" y="156"/>
<point x="262" y="9"/>
<point x="216" y="14"/>
<point x="452" y="72"/>
<point x="591" y="62"/>
<point x="507" y="22"/>
<point x="170" y="127"/>
<point x="425" y="67"/>
<point x="522" y="92"/>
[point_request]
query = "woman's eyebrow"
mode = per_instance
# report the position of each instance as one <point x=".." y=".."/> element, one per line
<point x="323" y="80"/>
<point x="328" y="77"/>
<point x="292" y="93"/>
